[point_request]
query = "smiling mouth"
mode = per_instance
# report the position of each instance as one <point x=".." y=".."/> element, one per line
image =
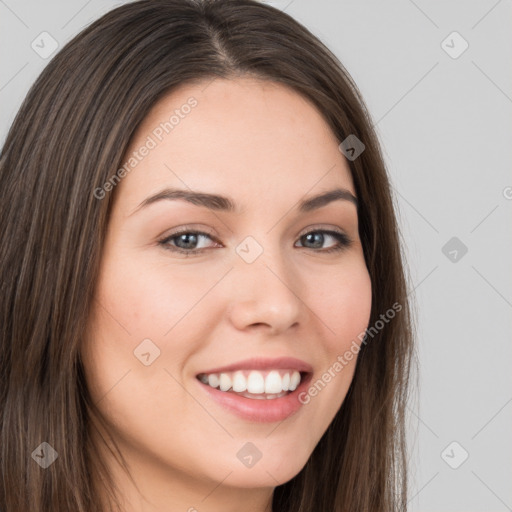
<point x="255" y="384"/>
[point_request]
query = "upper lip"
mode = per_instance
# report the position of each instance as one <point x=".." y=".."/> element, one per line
<point x="262" y="363"/>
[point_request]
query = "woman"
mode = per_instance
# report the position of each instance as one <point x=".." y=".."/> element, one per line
<point x="204" y="304"/>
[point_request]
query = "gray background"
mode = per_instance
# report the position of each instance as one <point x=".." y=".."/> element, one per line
<point x="443" y="123"/>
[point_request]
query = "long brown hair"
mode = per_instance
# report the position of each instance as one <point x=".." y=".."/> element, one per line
<point x="67" y="140"/>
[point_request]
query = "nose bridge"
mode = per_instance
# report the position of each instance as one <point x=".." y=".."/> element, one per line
<point x="266" y="290"/>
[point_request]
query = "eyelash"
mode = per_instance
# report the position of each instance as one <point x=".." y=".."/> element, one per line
<point x="343" y="241"/>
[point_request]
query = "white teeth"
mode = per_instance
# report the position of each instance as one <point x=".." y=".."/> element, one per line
<point x="272" y="383"/>
<point x="225" y="382"/>
<point x="294" y="381"/>
<point x="286" y="382"/>
<point x="239" y="382"/>
<point x="213" y="380"/>
<point x="255" y="382"/>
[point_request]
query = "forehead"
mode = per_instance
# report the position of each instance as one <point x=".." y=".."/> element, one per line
<point x="261" y="140"/>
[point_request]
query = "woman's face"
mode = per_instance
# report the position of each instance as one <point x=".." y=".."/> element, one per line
<point x="256" y="291"/>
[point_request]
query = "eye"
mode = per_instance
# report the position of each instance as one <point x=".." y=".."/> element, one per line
<point x="187" y="241"/>
<point x="318" y="237"/>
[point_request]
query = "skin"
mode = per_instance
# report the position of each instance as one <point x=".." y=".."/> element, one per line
<point x="267" y="148"/>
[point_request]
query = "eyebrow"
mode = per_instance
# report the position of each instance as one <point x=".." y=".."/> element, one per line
<point x="225" y="204"/>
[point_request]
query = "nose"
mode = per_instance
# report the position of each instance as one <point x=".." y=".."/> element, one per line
<point x="267" y="295"/>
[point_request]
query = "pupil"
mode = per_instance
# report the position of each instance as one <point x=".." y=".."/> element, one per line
<point x="320" y="238"/>
<point x="187" y="237"/>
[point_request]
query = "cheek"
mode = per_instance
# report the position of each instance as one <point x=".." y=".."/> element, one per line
<point x="345" y="303"/>
<point x="344" y="306"/>
<point x="138" y="301"/>
<point x="150" y="299"/>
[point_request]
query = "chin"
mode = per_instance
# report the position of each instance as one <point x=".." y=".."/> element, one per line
<point x="267" y="472"/>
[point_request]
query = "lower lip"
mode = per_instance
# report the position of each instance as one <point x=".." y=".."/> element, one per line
<point x="261" y="411"/>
